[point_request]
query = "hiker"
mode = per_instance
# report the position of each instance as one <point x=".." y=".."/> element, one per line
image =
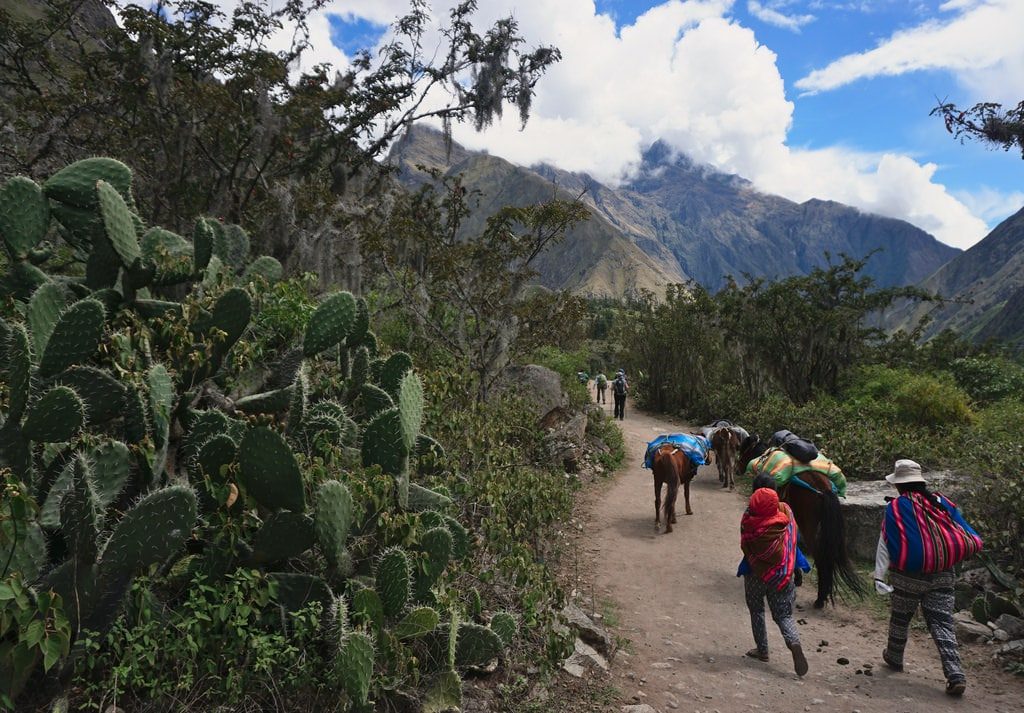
<point x="601" y="384"/>
<point x="582" y="377"/>
<point x="923" y="537"/>
<point x="620" y="387"/>
<point x="768" y="541"/>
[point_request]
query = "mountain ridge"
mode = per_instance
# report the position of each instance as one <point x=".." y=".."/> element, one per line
<point x="678" y="220"/>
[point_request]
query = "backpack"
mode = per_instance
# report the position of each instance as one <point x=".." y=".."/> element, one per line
<point x="602" y="380"/>
<point x="800" y="448"/>
<point x="619" y="386"/>
<point x="923" y="538"/>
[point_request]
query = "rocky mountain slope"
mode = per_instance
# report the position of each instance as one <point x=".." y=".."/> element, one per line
<point x="676" y="219"/>
<point x="985" y="286"/>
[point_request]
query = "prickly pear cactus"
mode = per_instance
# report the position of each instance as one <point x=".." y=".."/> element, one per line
<point x="393" y="581"/>
<point x="75" y="337"/>
<point x="477" y="645"/>
<point x="330" y="323"/>
<point x="269" y="471"/>
<point x="24" y="215"/>
<point x="354" y="667"/>
<point x="334" y="512"/>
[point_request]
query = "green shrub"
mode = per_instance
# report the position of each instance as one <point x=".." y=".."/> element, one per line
<point x="988" y="378"/>
<point x="566" y="365"/>
<point x="925" y="400"/>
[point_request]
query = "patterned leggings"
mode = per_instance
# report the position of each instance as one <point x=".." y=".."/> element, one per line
<point x="780" y="602"/>
<point x="934" y="593"/>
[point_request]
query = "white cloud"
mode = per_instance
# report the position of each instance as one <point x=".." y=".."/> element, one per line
<point x="981" y="44"/>
<point x="684" y="72"/>
<point x="990" y="204"/>
<point x="772" y="14"/>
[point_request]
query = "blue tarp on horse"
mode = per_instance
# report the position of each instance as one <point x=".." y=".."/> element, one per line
<point x="695" y="447"/>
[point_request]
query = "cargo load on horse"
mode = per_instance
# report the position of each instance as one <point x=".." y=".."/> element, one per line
<point x="784" y="468"/>
<point x="693" y="446"/>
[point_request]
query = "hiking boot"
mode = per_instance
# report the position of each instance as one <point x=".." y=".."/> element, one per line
<point x="799" y="660"/>
<point x="891" y="662"/>
<point x="956" y="688"/>
<point x="759" y="655"/>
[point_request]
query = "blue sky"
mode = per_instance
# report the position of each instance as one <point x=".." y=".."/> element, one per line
<point x="843" y="89"/>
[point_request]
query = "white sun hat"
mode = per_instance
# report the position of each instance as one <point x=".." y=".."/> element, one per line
<point x="906" y="471"/>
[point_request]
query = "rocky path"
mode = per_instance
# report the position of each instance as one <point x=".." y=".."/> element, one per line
<point x="677" y="601"/>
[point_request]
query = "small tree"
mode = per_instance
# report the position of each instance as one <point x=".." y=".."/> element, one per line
<point x="465" y="291"/>
<point x="805" y="331"/>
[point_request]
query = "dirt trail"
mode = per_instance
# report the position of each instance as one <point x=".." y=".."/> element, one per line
<point x="680" y="606"/>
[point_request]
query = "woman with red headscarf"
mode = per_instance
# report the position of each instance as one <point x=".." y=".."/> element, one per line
<point x="768" y="541"/>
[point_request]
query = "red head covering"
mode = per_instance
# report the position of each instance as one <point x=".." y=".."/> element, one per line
<point x="764" y="502"/>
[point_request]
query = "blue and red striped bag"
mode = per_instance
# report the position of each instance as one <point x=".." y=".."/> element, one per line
<point x="923" y="538"/>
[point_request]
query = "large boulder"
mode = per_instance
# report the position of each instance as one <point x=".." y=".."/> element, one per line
<point x="864" y="507"/>
<point x="539" y="386"/>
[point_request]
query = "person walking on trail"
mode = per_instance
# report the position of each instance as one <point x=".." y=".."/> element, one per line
<point x="601" y="384"/>
<point x="620" y="387"/>
<point x="923" y="537"/>
<point x="768" y="541"/>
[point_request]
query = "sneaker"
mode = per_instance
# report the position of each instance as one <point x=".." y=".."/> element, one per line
<point x="956" y="688"/>
<point x="759" y="655"/>
<point x="799" y="660"/>
<point x="890" y="662"/>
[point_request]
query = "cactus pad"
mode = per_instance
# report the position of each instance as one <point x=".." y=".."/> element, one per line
<point x="504" y="625"/>
<point x="383" y="444"/>
<point x="213" y="456"/>
<point x="299" y="400"/>
<point x="421" y="499"/>
<point x="75" y="338"/>
<point x="367" y="609"/>
<point x="284" y="535"/>
<point x="329" y="324"/>
<point x="24" y="548"/>
<point x="136" y="423"/>
<point x="150" y="532"/>
<point x="360" y="368"/>
<point x="17" y="372"/>
<point x="24" y="215"/>
<point x="202" y="244"/>
<point x="445" y="695"/>
<point x="204" y="426"/>
<point x="102" y="394"/>
<point x="410" y="408"/>
<point x="231" y="315"/>
<point x="477" y="645"/>
<point x="355" y="667"/>
<point x="157" y="309"/>
<point x="266" y="268"/>
<point x="118" y="224"/>
<point x="57" y="416"/>
<point x="231" y="244"/>
<point x="170" y="253"/>
<point x="392" y="371"/>
<point x="373" y="400"/>
<point x="269" y="471"/>
<point x="76" y="184"/>
<point x="437" y="544"/>
<point x="333" y="519"/>
<point x="393" y="581"/>
<point x="360" y="325"/>
<point x="418" y="622"/>
<point x="79" y="514"/>
<point x="161" y="402"/>
<point x="44" y="310"/>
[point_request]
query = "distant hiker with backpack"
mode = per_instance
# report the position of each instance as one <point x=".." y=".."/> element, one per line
<point x="620" y="387"/>
<point x="601" y="383"/>
<point x="923" y="537"/>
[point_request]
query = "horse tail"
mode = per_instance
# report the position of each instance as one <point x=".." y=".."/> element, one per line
<point x="673" y="491"/>
<point x="832" y="559"/>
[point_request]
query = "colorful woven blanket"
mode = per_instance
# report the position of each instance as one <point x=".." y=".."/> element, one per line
<point x="923" y="538"/>
<point x="695" y="447"/>
<point x="782" y="466"/>
<point x="768" y="538"/>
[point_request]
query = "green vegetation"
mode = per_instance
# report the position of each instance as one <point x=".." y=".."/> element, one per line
<point x="229" y="478"/>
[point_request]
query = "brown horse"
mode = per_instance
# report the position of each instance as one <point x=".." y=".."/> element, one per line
<point x="819" y="518"/>
<point x="726" y="445"/>
<point x="671" y="467"/>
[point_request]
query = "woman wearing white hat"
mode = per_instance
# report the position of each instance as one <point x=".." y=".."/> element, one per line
<point x="923" y="537"/>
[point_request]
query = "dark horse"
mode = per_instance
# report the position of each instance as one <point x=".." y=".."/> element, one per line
<point x="726" y="445"/>
<point x="819" y="519"/>
<point x="671" y="467"/>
